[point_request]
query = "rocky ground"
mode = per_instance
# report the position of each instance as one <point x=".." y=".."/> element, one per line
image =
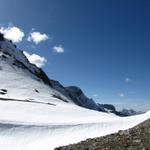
<point x="137" y="138"/>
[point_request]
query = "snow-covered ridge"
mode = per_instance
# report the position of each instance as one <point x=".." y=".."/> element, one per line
<point x="16" y="57"/>
<point x="22" y="80"/>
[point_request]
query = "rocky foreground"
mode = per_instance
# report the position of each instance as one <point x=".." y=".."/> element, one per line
<point x="137" y="138"/>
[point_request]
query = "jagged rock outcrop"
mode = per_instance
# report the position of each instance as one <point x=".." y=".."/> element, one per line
<point x="77" y="95"/>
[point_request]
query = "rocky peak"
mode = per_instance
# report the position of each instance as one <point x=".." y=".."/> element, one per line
<point x="15" y="57"/>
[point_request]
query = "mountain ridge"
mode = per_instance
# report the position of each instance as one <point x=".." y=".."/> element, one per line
<point x="10" y="53"/>
<point x="19" y="59"/>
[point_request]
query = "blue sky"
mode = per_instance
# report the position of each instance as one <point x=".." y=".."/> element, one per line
<point x="104" y="44"/>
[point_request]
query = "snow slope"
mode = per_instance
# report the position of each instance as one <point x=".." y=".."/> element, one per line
<point x="42" y="127"/>
<point x="36" y="116"/>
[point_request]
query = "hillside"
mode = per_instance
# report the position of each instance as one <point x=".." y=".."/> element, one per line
<point x="137" y="138"/>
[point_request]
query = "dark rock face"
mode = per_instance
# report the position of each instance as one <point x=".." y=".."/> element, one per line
<point x="129" y="112"/>
<point x="3" y="91"/>
<point x="110" y="107"/>
<point x="107" y="108"/>
<point x="42" y="75"/>
<point x="1" y="37"/>
<point x="123" y="113"/>
<point x="137" y="138"/>
<point x="77" y="95"/>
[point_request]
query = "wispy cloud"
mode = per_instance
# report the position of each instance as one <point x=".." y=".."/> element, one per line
<point x="121" y="95"/>
<point x="128" y="80"/>
<point x="58" y="49"/>
<point x="35" y="59"/>
<point x="95" y="95"/>
<point x="12" y="33"/>
<point x="37" y="37"/>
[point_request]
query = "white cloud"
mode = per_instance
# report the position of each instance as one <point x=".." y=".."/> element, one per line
<point x="12" y="33"/>
<point x="121" y="95"/>
<point x="58" y="49"/>
<point x="35" y="59"/>
<point x="95" y="95"/>
<point x="37" y="37"/>
<point x="128" y="80"/>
